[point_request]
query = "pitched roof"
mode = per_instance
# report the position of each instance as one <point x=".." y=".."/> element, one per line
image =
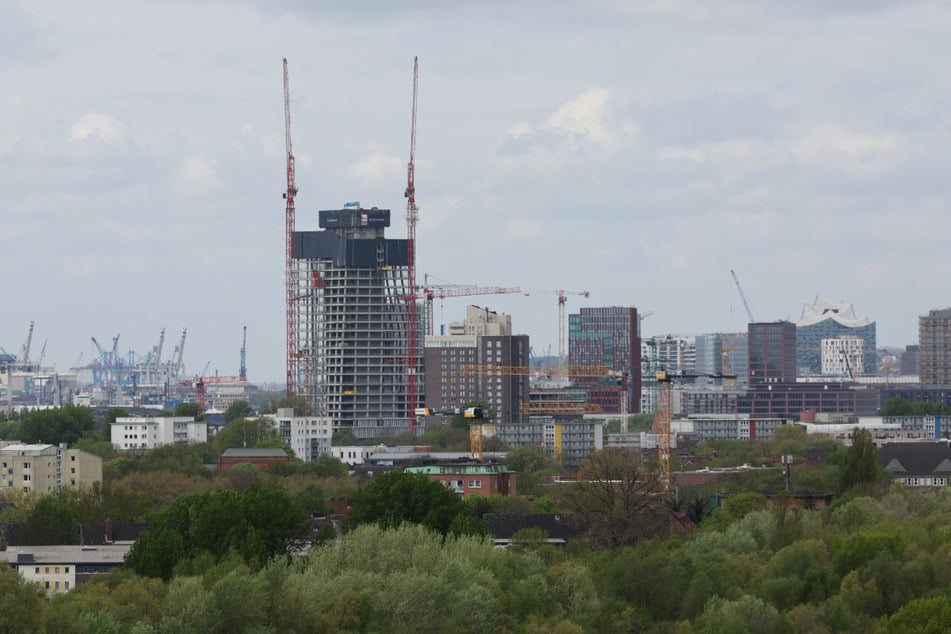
<point x="916" y="458"/>
<point x="505" y="526"/>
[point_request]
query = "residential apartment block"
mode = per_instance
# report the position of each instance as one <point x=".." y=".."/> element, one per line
<point x="308" y="436"/>
<point x="934" y="337"/>
<point x="47" y="468"/>
<point x="157" y="431"/>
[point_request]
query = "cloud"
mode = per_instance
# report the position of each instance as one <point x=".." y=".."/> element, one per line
<point x="107" y="129"/>
<point x="581" y="128"/>
<point x="197" y="175"/>
<point x="377" y="168"/>
<point x="861" y="154"/>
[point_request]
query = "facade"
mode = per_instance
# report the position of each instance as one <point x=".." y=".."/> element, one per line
<point x="351" y="321"/>
<point x="567" y="443"/>
<point x="825" y="319"/>
<point x="843" y="356"/>
<point x="686" y="400"/>
<point x="917" y="464"/>
<point x="771" y="352"/>
<point x="607" y="337"/>
<point x="157" y="431"/>
<point x="59" y="569"/>
<point x="353" y="455"/>
<point x="308" y="436"/>
<point x="734" y="427"/>
<point x="47" y="468"/>
<point x="934" y="338"/>
<point x="459" y="365"/>
<point x="799" y="400"/>
<point x="911" y="360"/>
<point x="471" y="479"/>
<point x="884" y="429"/>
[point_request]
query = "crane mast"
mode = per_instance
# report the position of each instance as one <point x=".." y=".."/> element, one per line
<point x="290" y="269"/>
<point x="412" y="215"/>
<point x="746" y="304"/>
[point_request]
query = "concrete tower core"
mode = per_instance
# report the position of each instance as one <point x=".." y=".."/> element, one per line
<point x="351" y="311"/>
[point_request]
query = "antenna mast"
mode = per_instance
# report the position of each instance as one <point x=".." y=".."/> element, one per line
<point x="290" y="269"/>
<point x="412" y="215"/>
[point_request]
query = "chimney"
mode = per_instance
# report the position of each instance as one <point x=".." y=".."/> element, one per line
<point x="109" y="539"/>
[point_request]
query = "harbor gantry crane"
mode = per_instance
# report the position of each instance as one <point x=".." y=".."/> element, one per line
<point x="290" y="268"/>
<point x="474" y="414"/>
<point x="412" y="215"/>
<point x="25" y="352"/>
<point x="665" y="381"/>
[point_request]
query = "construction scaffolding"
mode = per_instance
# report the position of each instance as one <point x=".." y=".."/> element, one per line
<point x="352" y="322"/>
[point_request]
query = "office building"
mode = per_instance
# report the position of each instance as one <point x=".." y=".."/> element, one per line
<point x="608" y="337"/>
<point x="479" y="360"/>
<point x="934" y="338"/>
<point x="771" y="350"/>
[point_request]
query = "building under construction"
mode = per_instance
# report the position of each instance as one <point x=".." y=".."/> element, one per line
<point x="351" y="321"/>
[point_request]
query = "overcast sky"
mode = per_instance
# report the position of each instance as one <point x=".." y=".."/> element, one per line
<point x="636" y="150"/>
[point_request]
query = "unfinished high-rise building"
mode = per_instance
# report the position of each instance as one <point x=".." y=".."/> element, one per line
<point x="351" y="319"/>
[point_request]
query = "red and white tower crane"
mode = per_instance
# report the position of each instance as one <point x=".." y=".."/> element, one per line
<point x="290" y="268"/>
<point x="412" y="215"/>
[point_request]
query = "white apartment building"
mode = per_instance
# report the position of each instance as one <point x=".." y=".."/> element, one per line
<point x="308" y="436"/>
<point x="156" y="431"/>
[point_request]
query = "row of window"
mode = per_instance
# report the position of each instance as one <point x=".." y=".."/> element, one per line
<point x="56" y="570"/>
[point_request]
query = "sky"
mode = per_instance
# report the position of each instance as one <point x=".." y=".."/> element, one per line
<point x="637" y="150"/>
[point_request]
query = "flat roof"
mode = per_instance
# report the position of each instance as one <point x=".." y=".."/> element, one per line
<point x="66" y="554"/>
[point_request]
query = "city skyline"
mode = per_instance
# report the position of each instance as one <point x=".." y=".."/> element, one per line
<point x="639" y="151"/>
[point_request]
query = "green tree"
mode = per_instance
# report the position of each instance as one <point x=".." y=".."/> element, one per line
<point x="194" y="410"/>
<point x="920" y="616"/>
<point x="859" y="466"/>
<point x="258" y="523"/>
<point x="895" y="406"/>
<point x="238" y="409"/>
<point x="51" y="522"/>
<point x="21" y="603"/>
<point x="244" y="433"/>
<point x="65" y="424"/>
<point x="114" y="413"/>
<point x="617" y="500"/>
<point x="395" y="497"/>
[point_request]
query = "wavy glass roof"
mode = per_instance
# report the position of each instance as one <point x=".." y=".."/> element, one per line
<point x="822" y="309"/>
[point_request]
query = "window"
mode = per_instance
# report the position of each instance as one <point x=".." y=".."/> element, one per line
<point x="67" y="572"/>
<point x="46" y="570"/>
<point x="56" y="569"/>
<point x="37" y="570"/>
<point x="475" y="484"/>
<point x="26" y="477"/>
<point x="66" y="585"/>
<point x="26" y="465"/>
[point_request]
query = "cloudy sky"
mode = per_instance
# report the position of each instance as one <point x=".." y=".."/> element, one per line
<point x="639" y="150"/>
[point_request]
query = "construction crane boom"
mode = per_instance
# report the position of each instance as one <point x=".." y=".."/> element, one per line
<point x="412" y="216"/>
<point x="475" y="428"/>
<point x="290" y="270"/>
<point x="429" y="293"/>
<point x="746" y="304"/>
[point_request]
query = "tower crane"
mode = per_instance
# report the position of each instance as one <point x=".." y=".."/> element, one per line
<point x="475" y="428"/>
<point x="290" y="270"/>
<point x="243" y="369"/>
<point x="412" y="215"/>
<point x="562" y="300"/>
<point x="664" y="387"/>
<point x="432" y="292"/>
<point x="746" y="304"/>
